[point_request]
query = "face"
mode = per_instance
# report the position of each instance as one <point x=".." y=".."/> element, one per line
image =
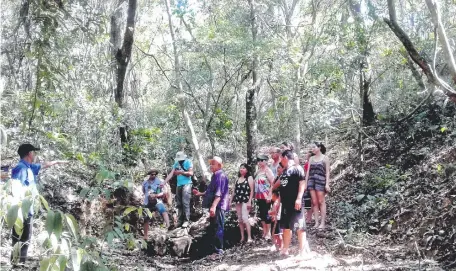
<point x="279" y="170"/>
<point x="31" y="156"/>
<point x="315" y="149"/>
<point x="152" y="176"/>
<point x="214" y="166"/>
<point x="243" y="171"/>
<point x="261" y="163"/>
<point x="284" y="161"/>
<point x="283" y="147"/>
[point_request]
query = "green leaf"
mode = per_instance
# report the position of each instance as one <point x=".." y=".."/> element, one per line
<point x="129" y="210"/>
<point x="76" y="258"/>
<point x="119" y="233"/>
<point x="50" y="222"/>
<point x="44" y="265"/>
<point x="72" y="225"/>
<point x="110" y="237"/>
<point x="443" y="129"/>
<point x="16" y="252"/>
<point x="58" y="224"/>
<point x="127" y="227"/>
<point x="44" y="202"/>
<point x="84" y="192"/>
<point x="62" y="260"/>
<point x="149" y="214"/>
<point x="11" y="216"/>
<point x="26" y="204"/>
<point x="19" y="226"/>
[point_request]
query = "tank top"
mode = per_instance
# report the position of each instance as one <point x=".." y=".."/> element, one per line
<point x="242" y="192"/>
<point x="317" y="171"/>
<point x="274" y="169"/>
<point x="262" y="186"/>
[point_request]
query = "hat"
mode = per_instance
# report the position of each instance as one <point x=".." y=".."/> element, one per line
<point x="262" y="157"/>
<point x="152" y="171"/>
<point x="24" y="149"/>
<point x="180" y="156"/>
<point x="216" y="159"/>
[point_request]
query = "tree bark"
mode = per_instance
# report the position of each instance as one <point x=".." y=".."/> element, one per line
<point x="250" y="101"/>
<point x="178" y="85"/>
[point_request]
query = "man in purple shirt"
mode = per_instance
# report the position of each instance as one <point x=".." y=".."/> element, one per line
<point x="216" y="198"/>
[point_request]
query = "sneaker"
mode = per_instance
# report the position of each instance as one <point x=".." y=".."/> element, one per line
<point x="185" y="224"/>
<point x="219" y="251"/>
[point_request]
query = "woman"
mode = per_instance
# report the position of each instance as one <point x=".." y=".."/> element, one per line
<point x="275" y="213"/>
<point x="317" y="178"/>
<point x="242" y="197"/>
<point x="307" y="202"/>
<point x="263" y="192"/>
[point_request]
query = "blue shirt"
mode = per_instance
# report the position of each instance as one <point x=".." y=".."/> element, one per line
<point x="182" y="179"/>
<point x="26" y="173"/>
<point x="152" y="186"/>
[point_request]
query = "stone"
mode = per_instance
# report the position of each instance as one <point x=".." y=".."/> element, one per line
<point x="181" y="245"/>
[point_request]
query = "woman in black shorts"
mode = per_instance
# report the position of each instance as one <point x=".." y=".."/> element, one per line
<point x="317" y="178"/>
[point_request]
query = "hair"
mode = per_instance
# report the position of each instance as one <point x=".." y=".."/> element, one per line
<point x="288" y="145"/>
<point x="22" y="156"/>
<point x="288" y="154"/>
<point x="246" y="166"/>
<point x="320" y="146"/>
<point x="153" y="171"/>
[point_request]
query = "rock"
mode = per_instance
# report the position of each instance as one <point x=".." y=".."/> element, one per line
<point x="158" y="240"/>
<point x="181" y="246"/>
<point x="179" y="232"/>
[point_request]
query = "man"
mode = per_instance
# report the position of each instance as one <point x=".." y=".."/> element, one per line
<point x="25" y="172"/>
<point x="183" y="169"/>
<point x="275" y="156"/>
<point x="216" y="198"/>
<point x="292" y="186"/>
<point x="154" y="194"/>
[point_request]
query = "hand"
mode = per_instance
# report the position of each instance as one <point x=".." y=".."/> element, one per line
<point x="178" y="172"/>
<point x="249" y="205"/>
<point x="63" y="162"/>
<point x="327" y="189"/>
<point x="298" y="203"/>
<point x="212" y="211"/>
<point x="195" y="192"/>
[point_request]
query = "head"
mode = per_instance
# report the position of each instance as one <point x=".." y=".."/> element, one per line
<point x="27" y="152"/>
<point x="262" y="160"/>
<point x="153" y="173"/>
<point x="284" y="146"/>
<point x="275" y="154"/>
<point x="280" y="169"/>
<point x="215" y="164"/>
<point x="244" y="170"/>
<point x="287" y="156"/>
<point x="180" y="156"/>
<point x="308" y="155"/>
<point x="318" y="147"/>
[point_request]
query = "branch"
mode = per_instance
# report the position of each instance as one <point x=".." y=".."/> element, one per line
<point x="156" y="61"/>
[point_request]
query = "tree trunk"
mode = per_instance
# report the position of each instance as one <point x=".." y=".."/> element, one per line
<point x="178" y="85"/>
<point x="122" y="56"/>
<point x="250" y="101"/>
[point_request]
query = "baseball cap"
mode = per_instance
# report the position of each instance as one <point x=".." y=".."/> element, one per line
<point x="216" y="159"/>
<point x="24" y="149"/>
<point x="262" y="157"/>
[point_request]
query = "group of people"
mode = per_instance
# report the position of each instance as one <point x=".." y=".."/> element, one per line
<point x="287" y="192"/>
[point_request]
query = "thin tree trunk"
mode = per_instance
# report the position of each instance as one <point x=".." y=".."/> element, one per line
<point x="250" y="102"/>
<point x="178" y="84"/>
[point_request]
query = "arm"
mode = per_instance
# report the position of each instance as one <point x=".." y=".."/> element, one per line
<point x="276" y="185"/>
<point x="270" y="177"/>
<point x="170" y="175"/>
<point x="302" y="189"/>
<point x="53" y="163"/>
<point x="252" y="187"/>
<point x="328" y="169"/>
<point x="187" y="173"/>
<point x="308" y="170"/>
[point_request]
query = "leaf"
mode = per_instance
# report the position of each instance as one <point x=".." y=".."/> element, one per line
<point x="109" y="238"/>
<point x="72" y="225"/>
<point x="19" y="226"/>
<point x="84" y="192"/>
<point x="26" y="204"/>
<point x="443" y="129"/>
<point x="127" y="227"/>
<point x="44" y="265"/>
<point x="44" y="202"/>
<point x="76" y="258"/>
<point x="58" y="224"/>
<point x="16" y="252"/>
<point x="140" y="212"/>
<point x="119" y="233"/>
<point x="50" y="222"/>
<point x="129" y="210"/>
<point x="11" y="216"/>
<point x="62" y="260"/>
<point x="359" y="197"/>
<point x="149" y="214"/>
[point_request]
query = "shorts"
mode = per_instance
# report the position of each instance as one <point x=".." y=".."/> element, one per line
<point x="275" y="228"/>
<point x="292" y="219"/>
<point x="316" y="184"/>
<point x="159" y="207"/>
<point x="263" y="209"/>
<point x="306" y="200"/>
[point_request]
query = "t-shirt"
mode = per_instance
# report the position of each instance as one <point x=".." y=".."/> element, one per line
<point x="219" y="188"/>
<point x="152" y="187"/>
<point x="274" y="169"/>
<point x="262" y="186"/>
<point x="182" y="179"/>
<point x="289" y="185"/>
<point x="26" y="174"/>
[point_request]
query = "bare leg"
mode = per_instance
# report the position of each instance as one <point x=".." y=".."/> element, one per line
<point x="322" y="204"/>
<point x="241" y="224"/>
<point x="286" y="241"/>
<point x="315" y="206"/>
<point x="146" y="230"/>
<point x="249" y="232"/>
<point x="166" y="219"/>
<point x="309" y="215"/>
<point x="263" y="224"/>
<point x="268" y="231"/>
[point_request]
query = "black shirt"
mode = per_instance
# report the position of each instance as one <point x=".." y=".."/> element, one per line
<point x="289" y="185"/>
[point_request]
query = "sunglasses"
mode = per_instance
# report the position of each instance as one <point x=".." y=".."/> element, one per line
<point x="261" y="160"/>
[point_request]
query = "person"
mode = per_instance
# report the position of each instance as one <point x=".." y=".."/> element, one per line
<point x="242" y="197"/>
<point x="25" y="172"/>
<point x="292" y="187"/>
<point x="154" y="195"/>
<point x="307" y="201"/>
<point x="183" y="168"/>
<point x="275" y="212"/>
<point x="263" y="192"/>
<point x="289" y="146"/>
<point x="317" y="179"/>
<point x="275" y="156"/>
<point x="216" y="198"/>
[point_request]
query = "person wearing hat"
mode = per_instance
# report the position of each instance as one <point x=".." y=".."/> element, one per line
<point x="216" y="198"/>
<point x="25" y="172"/>
<point x="183" y="169"/>
<point x="264" y="179"/>
<point x="154" y="193"/>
